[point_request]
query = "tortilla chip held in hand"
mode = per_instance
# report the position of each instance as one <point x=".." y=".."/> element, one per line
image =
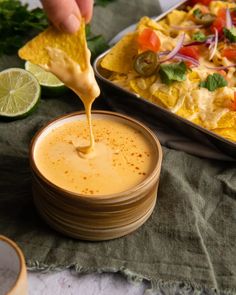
<point x="74" y="45"/>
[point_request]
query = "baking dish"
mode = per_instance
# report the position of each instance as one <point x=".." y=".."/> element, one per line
<point x="130" y="103"/>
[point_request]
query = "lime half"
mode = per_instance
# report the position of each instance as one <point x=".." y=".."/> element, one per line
<point x="19" y="93"/>
<point x="51" y="85"/>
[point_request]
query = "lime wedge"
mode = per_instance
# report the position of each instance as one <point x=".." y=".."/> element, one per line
<point x="51" y="85"/>
<point x="19" y="93"/>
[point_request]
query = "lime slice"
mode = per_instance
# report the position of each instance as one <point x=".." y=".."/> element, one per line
<point x="51" y="85"/>
<point x="19" y="93"/>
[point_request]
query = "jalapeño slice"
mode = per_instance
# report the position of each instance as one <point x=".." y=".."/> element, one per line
<point x="146" y="63"/>
<point x="205" y="19"/>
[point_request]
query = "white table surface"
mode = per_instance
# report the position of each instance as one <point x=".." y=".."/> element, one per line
<point x="69" y="283"/>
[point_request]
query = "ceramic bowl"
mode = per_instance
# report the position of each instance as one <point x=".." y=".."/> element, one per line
<point x="92" y="217"/>
<point x="13" y="277"/>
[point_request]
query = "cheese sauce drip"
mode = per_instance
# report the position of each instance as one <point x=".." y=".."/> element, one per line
<point x="80" y="80"/>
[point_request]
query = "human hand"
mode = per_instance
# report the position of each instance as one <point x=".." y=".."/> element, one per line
<point x="66" y="14"/>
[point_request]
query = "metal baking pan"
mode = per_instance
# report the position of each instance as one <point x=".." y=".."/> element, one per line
<point x="128" y="102"/>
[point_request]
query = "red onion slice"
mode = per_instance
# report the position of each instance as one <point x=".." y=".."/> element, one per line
<point x="163" y="53"/>
<point x="209" y="40"/>
<point x="183" y="57"/>
<point x="221" y="67"/>
<point x="229" y="22"/>
<point x="176" y="49"/>
<point x="180" y="56"/>
<point x="186" y="28"/>
<point x="213" y="51"/>
<point x="195" y="43"/>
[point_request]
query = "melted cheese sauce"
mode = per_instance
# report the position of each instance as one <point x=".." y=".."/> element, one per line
<point x="121" y="159"/>
<point x="81" y="81"/>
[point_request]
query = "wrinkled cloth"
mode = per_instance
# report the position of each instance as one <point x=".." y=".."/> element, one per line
<point x="188" y="244"/>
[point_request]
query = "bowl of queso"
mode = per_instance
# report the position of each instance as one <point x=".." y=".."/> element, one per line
<point x="105" y="193"/>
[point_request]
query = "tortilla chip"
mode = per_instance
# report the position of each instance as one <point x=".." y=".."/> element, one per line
<point x="117" y="77"/>
<point x="229" y="133"/>
<point x="176" y="17"/>
<point x="198" y="121"/>
<point x="147" y="22"/>
<point x="215" y="6"/>
<point x="168" y="95"/>
<point x="186" y="112"/>
<point x="141" y="86"/>
<point x="227" y="121"/>
<point x="194" y="77"/>
<point x="120" y="58"/>
<point x="74" y="45"/>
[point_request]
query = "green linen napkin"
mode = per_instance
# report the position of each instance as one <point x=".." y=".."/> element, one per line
<point x="188" y="244"/>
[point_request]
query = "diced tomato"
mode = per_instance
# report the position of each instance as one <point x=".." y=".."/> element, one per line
<point x="218" y="24"/>
<point x="221" y="13"/>
<point x="220" y="21"/>
<point x="191" y="51"/>
<point x="230" y="53"/>
<point x="148" y="40"/>
<point x="233" y="105"/>
<point x="204" y="2"/>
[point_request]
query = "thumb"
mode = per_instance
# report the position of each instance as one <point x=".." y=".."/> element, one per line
<point x="86" y="8"/>
<point x="64" y="14"/>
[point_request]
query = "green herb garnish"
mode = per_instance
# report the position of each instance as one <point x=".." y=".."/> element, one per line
<point x="230" y="34"/>
<point x="204" y="19"/>
<point x="199" y="36"/>
<point x="173" y="72"/>
<point x="197" y="13"/>
<point x="19" y="24"/>
<point x="214" y="82"/>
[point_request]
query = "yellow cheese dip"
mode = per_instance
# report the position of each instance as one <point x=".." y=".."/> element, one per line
<point x="80" y="80"/>
<point x="120" y="160"/>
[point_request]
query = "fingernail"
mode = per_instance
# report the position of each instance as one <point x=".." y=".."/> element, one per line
<point x="71" y="24"/>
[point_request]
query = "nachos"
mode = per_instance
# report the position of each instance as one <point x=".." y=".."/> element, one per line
<point x="185" y="63"/>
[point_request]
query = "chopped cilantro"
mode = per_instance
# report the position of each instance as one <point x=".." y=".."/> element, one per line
<point x="199" y="36"/>
<point x="230" y="34"/>
<point x="197" y="13"/>
<point x="214" y="82"/>
<point x="18" y="24"/>
<point x="173" y="72"/>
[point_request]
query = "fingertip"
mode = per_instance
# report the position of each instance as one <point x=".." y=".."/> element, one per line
<point x="86" y="9"/>
<point x="70" y="25"/>
<point x="88" y="18"/>
<point x="64" y="14"/>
